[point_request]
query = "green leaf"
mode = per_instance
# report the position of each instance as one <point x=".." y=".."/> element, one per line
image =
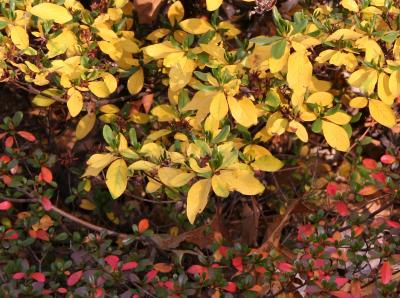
<point x="300" y="22"/>
<point x="317" y="126"/>
<point x="183" y="99"/>
<point x="133" y="137"/>
<point x="108" y="135"/>
<point x="17" y="118"/>
<point x="264" y="41"/>
<point x="222" y="135"/>
<point x="278" y="48"/>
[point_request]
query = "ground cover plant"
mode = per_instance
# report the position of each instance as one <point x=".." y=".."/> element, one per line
<point x="212" y="148"/>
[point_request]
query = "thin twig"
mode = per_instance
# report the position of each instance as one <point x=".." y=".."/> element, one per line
<point x="371" y="215"/>
<point x="70" y="217"/>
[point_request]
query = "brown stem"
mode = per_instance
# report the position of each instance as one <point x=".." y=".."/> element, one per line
<point x="72" y="218"/>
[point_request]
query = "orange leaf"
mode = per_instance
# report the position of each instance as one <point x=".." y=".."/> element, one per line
<point x="341" y="208"/>
<point x="143" y="225"/>
<point x="368" y="190"/>
<point x="9" y="142"/>
<point x="6" y="179"/>
<point x="369" y="163"/>
<point x="355" y="289"/>
<point x="46" y="174"/>
<point x="147" y="101"/>
<point x="163" y="267"/>
<point x="27" y="136"/>
<point x="386" y="273"/>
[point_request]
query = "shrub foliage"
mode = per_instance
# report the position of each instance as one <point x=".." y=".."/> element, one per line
<point x="196" y="114"/>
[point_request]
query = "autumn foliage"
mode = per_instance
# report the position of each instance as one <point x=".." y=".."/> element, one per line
<point x="200" y="148"/>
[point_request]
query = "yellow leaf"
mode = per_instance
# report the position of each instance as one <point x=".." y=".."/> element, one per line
<point x="87" y="205"/>
<point x="277" y="127"/>
<point x="344" y="34"/>
<point x="155" y="135"/>
<point x="325" y="56"/>
<point x="347" y="59"/>
<point x="175" y="12"/>
<point x="143" y="165"/>
<point x="321" y="98"/>
<point x="152" y="150"/>
<point x="219" y="186"/>
<point x="340" y="118"/>
<point x="384" y="92"/>
<point x="267" y="163"/>
<point x="152" y="186"/>
<point x="110" y="81"/>
<point x="100" y="160"/>
<point x="64" y="42"/>
<point x="350" y="5"/>
<point x="299" y="130"/>
<point x="219" y="106"/>
<point x="123" y="143"/>
<point x="213" y="4"/>
<point x="180" y="73"/>
<point x="104" y="88"/>
<point x="243" y="111"/>
<point x="157" y="34"/>
<point x="359" y="102"/>
<point x="214" y="51"/>
<point x="75" y="102"/>
<point x="242" y="181"/>
<point x="394" y="83"/>
<point x="174" y="177"/>
<point x="255" y="151"/>
<point x="382" y="113"/>
<point x="336" y="136"/>
<point x="197" y="198"/>
<point x="373" y="52"/>
<point x="42" y="100"/>
<point x="165" y="113"/>
<point x="109" y="109"/>
<point x="160" y="50"/>
<point x="196" y="26"/>
<point x="195" y="167"/>
<point x="19" y="37"/>
<point x="280" y="64"/>
<point x="364" y="79"/>
<point x="51" y="11"/>
<point x="201" y="102"/>
<point x="85" y="125"/>
<point x="117" y="178"/>
<point x="299" y="72"/>
<point x="396" y="49"/>
<point x="135" y="82"/>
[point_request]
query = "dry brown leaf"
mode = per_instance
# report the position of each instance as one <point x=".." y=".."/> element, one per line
<point x="250" y="218"/>
<point x="147" y="10"/>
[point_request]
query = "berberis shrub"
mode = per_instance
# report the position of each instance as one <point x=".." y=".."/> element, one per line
<point x="270" y="128"/>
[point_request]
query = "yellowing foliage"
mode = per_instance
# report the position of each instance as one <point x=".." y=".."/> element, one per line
<point x="215" y="104"/>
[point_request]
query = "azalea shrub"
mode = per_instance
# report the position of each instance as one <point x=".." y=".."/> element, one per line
<point x="226" y="148"/>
